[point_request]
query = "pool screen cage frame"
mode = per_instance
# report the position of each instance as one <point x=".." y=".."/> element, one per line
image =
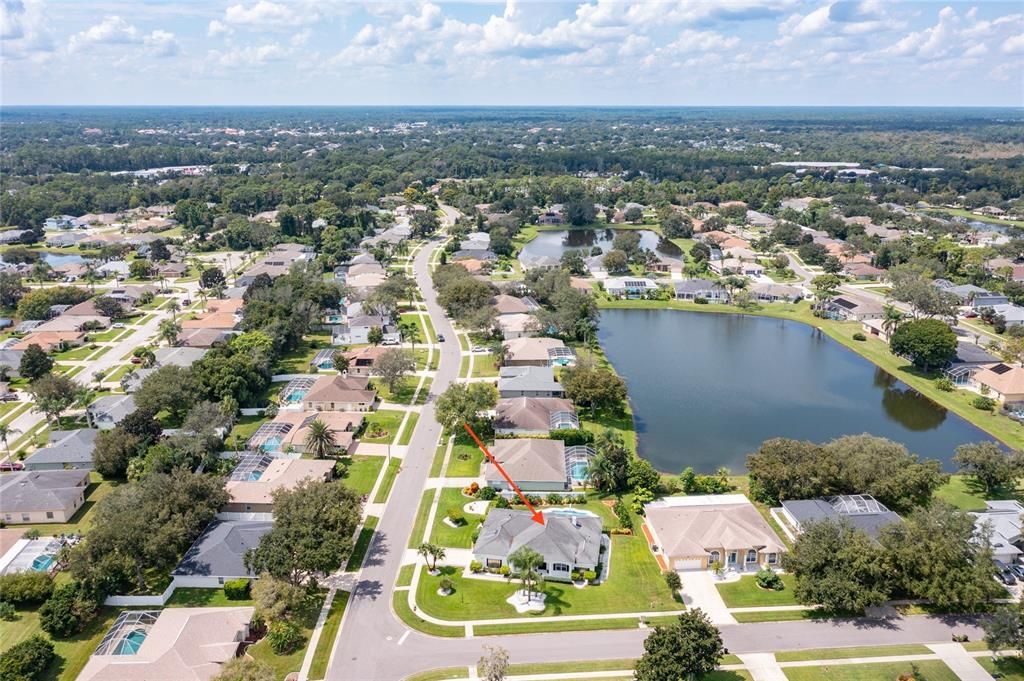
<point x="126" y="622"/>
<point x="249" y="464"/>
<point x="295" y="385"/>
<point x="267" y="431"/>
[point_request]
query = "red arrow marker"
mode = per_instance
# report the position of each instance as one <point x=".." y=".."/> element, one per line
<point x="538" y="517"/>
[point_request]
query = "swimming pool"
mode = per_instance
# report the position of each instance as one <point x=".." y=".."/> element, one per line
<point x="42" y="563"/>
<point x="579" y="470"/>
<point x="295" y="396"/>
<point x="570" y="512"/>
<point x="270" y="445"/>
<point x="131" y="643"/>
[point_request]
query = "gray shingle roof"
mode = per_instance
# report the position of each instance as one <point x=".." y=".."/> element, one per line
<point x="66" y="446"/>
<point x="220" y="550"/>
<point x="528" y="379"/>
<point x="559" y="539"/>
<point x="870" y="518"/>
<point x="41" y="490"/>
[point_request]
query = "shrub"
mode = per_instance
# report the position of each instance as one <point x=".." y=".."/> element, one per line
<point x="236" y="589"/>
<point x="984" y="403"/>
<point x="475" y="566"/>
<point x="673" y="581"/>
<point x="534" y="499"/>
<point x="858" y="336"/>
<point x="502" y="502"/>
<point x="31" y="534"/>
<point x="67" y="612"/>
<point x="456" y="517"/>
<point x="944" y="384"/>
<point x="572" y="436"/>
<point x="26" y="587"/>
<point x="26" y="660"/>
<point x="7" y="612"/>
<point x="769" y="579"/>
<point x="447" y="585"/>
<point x="284" y="637"/>
<point x="622" y="513"/>
<point x="700" y="301"/>
<point x="504" y="571"/>
<point x="554" y="499"/>
<point x="486" y="493"/>
<point x="589" y="575"/>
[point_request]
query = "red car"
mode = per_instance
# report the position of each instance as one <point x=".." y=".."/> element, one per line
<point x="11" y="466"/>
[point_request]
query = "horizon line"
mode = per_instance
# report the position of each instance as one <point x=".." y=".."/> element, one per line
<point x="527" y="106"/>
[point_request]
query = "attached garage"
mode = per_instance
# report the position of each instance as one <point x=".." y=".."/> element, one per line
<point x="688" y="564"/>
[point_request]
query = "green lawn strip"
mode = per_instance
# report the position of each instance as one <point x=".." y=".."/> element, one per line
<point x="194" y="597"/>
<point x="388" y="482"/>
<point x="968" y="495"/>
<point x="636" y="585"/>
<point x="1008" y="668"/>
<point x="442" y="674"/>
<point x="118" y="373"/>
<point x="108" y="335"/>
<point x="933" y="670"/>
<point x="464" y="367"/>
<point x="410" y="426"/>
<point x="12" y="410"/>
<point x="400" y="602"/>
<point x="405" y="575"/>
<point x="431" y="334"/>
<point x="296" y="360"/>
<point x="424" y="394"/>
<point x="322" y="655"/>
<point x="282" y="665"/>
<point x="566" y="667"/>
<point x="71" y="654"/>
<point x="438" y="463"/>
<point x="420" y="525"/>
<point x="974" y="645"/>
<point x="76" y="353"/>
<point x="444" y="534"/>
<point x="463" y="342"/>
<point x="403" y="392"/>
<point x="386" y="422"/>
<point x="541" y="627"/>
<point x="244" y="428"/>
<point x="144" y="320"/>
<point x="847" y="653"/>
<point x="959" y="401"/>
<point x="361" y="472"/>
<point x="779" y="615"/>
<point x="745" y="593"/>
<point x="723" y="675"/>
<point x="465" y="460"/>
<point x="82" y="520"/>
<point x="362" y="545"/>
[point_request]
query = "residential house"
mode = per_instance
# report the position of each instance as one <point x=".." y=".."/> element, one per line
<point x="704" y="289"/>
<point x="863" y="271"/>
<point x="254" y="493"/>
<point x="12" y="360"/>
<point x="482" y="255"/>
<point x="172" y="270"/>
<point x="861" y="511"/>
<point x="535" y="465"/>
<point x="184" y="644"/>
<point x="529" y="381"/>
<point x="774" y="293"/>
<point x="969" y="360"/>
<point x="361" y="360"/>
<point x="736" y="266"/>
<point x="539" y="262"/>
<point x="66" y="449"/>
<point x="630" y="287"/>
<point x="965" y="293"/>
<point x="180" y="355"/>
<point x="50" y="496"/>
<point x="289" y="429"/>
<point x="107" y="411"/>
<point x="51" y="341"/>
<point x="219" y="554"/>
<point x="987" y="299"/>
<point x="517" y="325"/>
<point x="534" y="415"/>
<point x="504" y="304"/>
<point x="13" y="236"/>
<point x="696" y="532"/>
<point x="1005" y="382"/>
<point x="537" y="351"/>
<point x="250" y="275"/>
<point x="876" y="328"/>
<point x="340" y="393"/>
<point x="855" y="308"/>
<point x="566" y="544"/>
<point x="75" y="320"/>
<point x="1012" y="314"/>
<point x="60" y="222"/>
<point x="131" y="295"/>
<point x="114" y="268"/>
<point x="357" y="331"/>
<point x="1001" y="522"/>
<point x="202" y="338"/>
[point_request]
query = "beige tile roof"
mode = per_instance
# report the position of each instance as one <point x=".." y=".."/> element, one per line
<point x="700" y="524"/>
<point x="339" y="388"/>
<point x="280" y="474"/>
<point x="531" y="349"/>
<point x="528" y="460"/>
<point x="529" y="413"/>
<point x="1004" y="382"/>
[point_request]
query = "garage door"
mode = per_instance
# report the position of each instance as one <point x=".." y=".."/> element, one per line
<point x="688" y="564"/>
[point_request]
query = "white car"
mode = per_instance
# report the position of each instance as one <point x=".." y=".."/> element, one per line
<point x="118" y="325"/>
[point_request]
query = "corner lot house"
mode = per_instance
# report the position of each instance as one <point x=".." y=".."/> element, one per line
<point x="251" y="491"/>
<point x="862" y="511"/>
<point x="340" y="393"/>
<point x="1002" y="521"/>
<point x="695" y="531"/>
<point x="219" y="553"/>
<point x="534" y="415"/>
<point x="184" y="644"/>
<point x="566" y="543"/>
<point x="66" y="449"/>
<point x="42" y="496"/>
<point x="529" y="381"/>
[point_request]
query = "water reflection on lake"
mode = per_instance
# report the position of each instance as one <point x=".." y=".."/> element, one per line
<point x="554" y="244"/>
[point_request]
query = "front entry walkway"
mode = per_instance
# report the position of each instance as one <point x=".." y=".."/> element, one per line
<point x="699" y="592"/>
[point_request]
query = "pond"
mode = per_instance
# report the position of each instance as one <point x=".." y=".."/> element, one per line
<point x="553" y="244"/>
<point x="57" y="259"/>
<point x="707" y="389"/>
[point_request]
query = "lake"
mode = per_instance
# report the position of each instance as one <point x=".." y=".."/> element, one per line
<point x="707" y="389"/>
<point x="553" y="244"/>
<point x="56" y="259"/>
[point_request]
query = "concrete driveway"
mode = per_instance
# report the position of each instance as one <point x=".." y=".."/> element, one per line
<point x="699" y="592"/>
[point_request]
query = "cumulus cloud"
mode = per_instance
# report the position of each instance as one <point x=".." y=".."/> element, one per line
<point x="161" y="44"/>
<point x="252" y="56"/>
<point x="1013" y="45"/>
<point x="25" y="30"/>
<point x="114" y="30"/>
<point x="218" y="28"/>
<point x="266" y="14"/>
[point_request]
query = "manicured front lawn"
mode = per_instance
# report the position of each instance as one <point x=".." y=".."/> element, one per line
<point x="404" y="391"/>
<point x="361" y="472"/>
<point x="848" y="653"/>
<point x="410" y="426"/>
<point x="296" y="361"/>
<point x="745" y="593"/>
<point x="382" y="426"/>
<point x="932" y="670"/>
<point x="362" y="545"/>
<point x="541" y="626"/>
<point x="1009" y="668"/>
<point x="420" y="525"/>
<point x="484" y="366"/>
<point x="636" y="585"/>
<point x="779" y="615"/>
<point x="465" y="459"/>
<point x="400" y="604"/>
<point x="189" y="597"/>
<point x="388" y="482"/>
<point x="322" y="655"/>
<point x="71" y="653"/>
<point x="444" y="534"/>
<point x="282" y="665"/>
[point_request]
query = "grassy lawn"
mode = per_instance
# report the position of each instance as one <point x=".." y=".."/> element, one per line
<point x="71" y="653"/>
<point x="189" y="597"/>
<point x="442" y="674"/>
<point x="383" y="423"/>
<point x="76" y="353"/>
<point x="466" y="458"/>
<point x="282" y="665"/>
<point x="564" y="667"/>
<point x="636" y="585"/>
<point x="443" y="534"/>
<point x="362" y="545"/>
<point x="404" y="391"/>
<point x="322" y="655"/>
<point x="297" y="361"/>
<point x="964" y="493"/>
<point x="484" y="366"/>
<point x="745" y="593"/>
<point x="244" y="428"/>
<point x="1009" y="668"/>
<point x="438" y="462"/>
<point x="464" y="367"/>
<point x="959" y="401"/>
<point x="848" y="653"/>
<point x="388" y="482"/>
<point x="405" y="575"/>
<point x="361" y="472"/>
<point x="779" y="616"/>
<point x="400" y="604"/>
<point x="420" y="525"/>
<point x="933" y="670"/>
<point x="410" y="426"/>
<point x="542" y="627"/>
<point x="82" y="520"/>
<point x="118" y="373"/>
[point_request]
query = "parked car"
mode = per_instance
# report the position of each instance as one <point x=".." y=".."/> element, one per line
<point x="1004" y="574"/>
<point x="1018" y="571"/>
<point x="118" y="325"/>
<point x="440" y="338"/>
<point x="481" y="348"/>
<point x="9" y="397"/>
<point x="11" y="466"/>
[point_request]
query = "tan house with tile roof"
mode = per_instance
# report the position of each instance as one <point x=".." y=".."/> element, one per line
<point x="1004" y="380"/>
<point x="256" y="496"/>
<point x="340" y="393"/>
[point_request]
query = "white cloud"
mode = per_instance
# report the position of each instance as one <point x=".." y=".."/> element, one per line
<point x="252" y="56"/>
<point x="161" y="44"/>
<point x="266" y="14"/>
<point x="931" y="43"/>
<point x="702" y="41"/>
<point x="218" y="28"/>
<point x="25" y="30"/>
<point x="1013" y="45"/>
<point x="113" y="30"/>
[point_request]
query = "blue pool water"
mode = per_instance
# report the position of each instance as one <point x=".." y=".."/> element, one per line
<point x="42" y="563"/>
<point x="570" y="512"/>
<point x="131" y="643"/>
<point x="578" y="471"/>
<point x="271" y="445"/>
<point x="295" y="396"/>
<point x="256" y="475"/>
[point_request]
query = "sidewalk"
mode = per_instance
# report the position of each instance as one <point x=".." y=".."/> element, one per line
<point x="960" y="661"/>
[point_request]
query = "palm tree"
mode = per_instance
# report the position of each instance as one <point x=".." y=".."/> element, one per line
<point x="5" y="433"/>
<point x="402" y="248"/>
<point x="90" y="275"/>
<point x="128" y="379"/>
<point x="41" y="271"/>
<point x="525" y="562"/>
<point x="431" y="553"/>
<point x="174" y="307"/>
<point x="168" y="331"/>
<point x="893" y="318"/>
<point x="410" y="333"/>
<point x="320" y="440"/>
<point x="147" y="357"/>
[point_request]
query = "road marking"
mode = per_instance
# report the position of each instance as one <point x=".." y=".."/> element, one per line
<point x="404" y="636"/>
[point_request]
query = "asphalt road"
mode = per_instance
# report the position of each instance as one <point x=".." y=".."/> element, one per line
<point x="373" y="645"/>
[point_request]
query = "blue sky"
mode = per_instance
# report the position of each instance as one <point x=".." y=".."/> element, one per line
<point x="682" y="52"/>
